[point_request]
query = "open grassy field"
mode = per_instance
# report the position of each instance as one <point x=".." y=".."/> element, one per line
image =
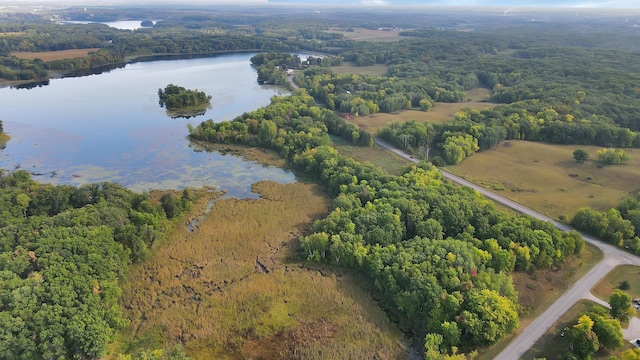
<point x="375" y="155"/>
<point x="440" y="113"/>
<point x="539" y="290"/>
<point x="54" y="55"/>
<point x="613" y="279"/>
<point x="349" y="68"/>
<point x="552" y="345"/>
<point x="370" y="35"/>
<point x="11" y="33"/>
<point x="546" y="178"/>
<point x="234" y="289"/>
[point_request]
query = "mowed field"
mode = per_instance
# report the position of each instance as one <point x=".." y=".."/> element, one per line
<point x="54" y="55"/>
<point x="236" y="289"/>
<point x="350" y="68"/>
<point x="440" y="113"/>
<point x="546" y="178"/>
<point x="370" y="35"/>
<point x="612" y="281"/>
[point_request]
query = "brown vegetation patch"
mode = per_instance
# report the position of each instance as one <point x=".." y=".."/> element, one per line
<point x="286" y="344"/>
<point x="234" y="289"/>
<point x="54" y="55"/>
<point x="263" y="156"/>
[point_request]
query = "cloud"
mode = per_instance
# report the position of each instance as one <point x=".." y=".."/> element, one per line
<point x="374" y="2"/>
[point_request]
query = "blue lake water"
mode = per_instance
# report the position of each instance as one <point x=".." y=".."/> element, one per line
<point x="109" y="127"/>
<point x="121" y="24"/>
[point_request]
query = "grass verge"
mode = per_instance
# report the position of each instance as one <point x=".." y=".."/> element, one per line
<point x="612" y="281"/>
<point x="537" y="291"/>
<point x="552" y="345"/>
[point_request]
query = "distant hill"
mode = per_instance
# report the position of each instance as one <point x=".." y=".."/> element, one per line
<point x="507" y="3"/>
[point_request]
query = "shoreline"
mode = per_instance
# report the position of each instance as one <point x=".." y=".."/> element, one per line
<point x="59" y="74"/>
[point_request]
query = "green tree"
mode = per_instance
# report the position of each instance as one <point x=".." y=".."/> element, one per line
<point x="490" y="316"/>
<point x="23" y="200"/>
<point x="580" y="156"/>
<point x="609" y="332"/>
<point x="425" y="104"/>
<point x="315" y="245"/>
<point x="583" y="340"/>
<point x="267" y="133"/>
<point x="612" y="156"/>
<point x="451" y="334"/>
<point x="621" y="307"/>
<point x="630" y="354"/>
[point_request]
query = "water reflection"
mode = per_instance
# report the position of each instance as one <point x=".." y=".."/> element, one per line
<point x="31" y="85"/>
<point x="109" y="127"/>
<point x="122" y="24"/>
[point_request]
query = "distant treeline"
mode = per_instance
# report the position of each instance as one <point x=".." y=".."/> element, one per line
<point x="568" y="67"/>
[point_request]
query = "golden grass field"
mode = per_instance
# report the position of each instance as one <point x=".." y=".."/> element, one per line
<point x="349" y="68"/>
<point x="234" y="289"/>
<point x="546" y="178"/>
<point x="54" y="55"/>
<point x="11" y="33"/>
<point x="370" y="35"/>
<point x="440" y="113"/>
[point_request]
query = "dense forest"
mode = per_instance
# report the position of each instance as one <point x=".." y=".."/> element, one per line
<point x="63" y="251"/>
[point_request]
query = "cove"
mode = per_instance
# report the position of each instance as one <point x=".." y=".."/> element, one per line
<point x="109" y="127"/>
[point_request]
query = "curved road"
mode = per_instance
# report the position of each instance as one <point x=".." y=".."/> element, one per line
<point x="613" y="257"/>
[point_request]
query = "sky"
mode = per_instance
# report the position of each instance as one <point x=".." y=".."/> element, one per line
<point x="509" y="3"/>
<point x="635" y="4"/>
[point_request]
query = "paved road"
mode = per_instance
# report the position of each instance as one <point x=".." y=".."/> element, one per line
<point x="613" y="257"/>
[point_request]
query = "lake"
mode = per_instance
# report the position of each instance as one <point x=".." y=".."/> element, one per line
<point x="109" y="127"/>
<point x="121" y="24"/>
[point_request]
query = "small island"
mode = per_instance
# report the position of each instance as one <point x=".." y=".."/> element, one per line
<point x="181" y="102"/>
<point x="146" y="23"/>
<point x="3" y="137"/>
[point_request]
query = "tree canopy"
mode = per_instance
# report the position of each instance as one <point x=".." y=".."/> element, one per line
<point x="63" y="251"/>
<point x="177" y="97"/>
